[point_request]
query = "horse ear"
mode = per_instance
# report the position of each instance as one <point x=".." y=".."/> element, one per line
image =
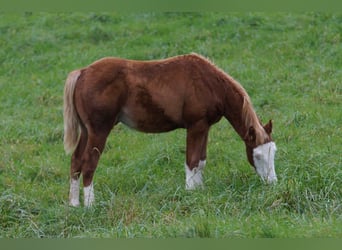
<point x="268" y="127"/>
<point x="251" y="134"/>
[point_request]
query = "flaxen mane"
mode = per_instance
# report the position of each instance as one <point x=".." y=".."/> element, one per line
<point x="248" y="112"/>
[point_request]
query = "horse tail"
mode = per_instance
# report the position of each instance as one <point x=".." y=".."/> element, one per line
<point x="71" y="121"/>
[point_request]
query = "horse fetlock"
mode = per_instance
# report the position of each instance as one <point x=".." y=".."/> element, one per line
<point x="74" y="193"/>
<point x="194" y="177"/>
<point x="89" y="196"/>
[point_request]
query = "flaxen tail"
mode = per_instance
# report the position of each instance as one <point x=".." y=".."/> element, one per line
<point x="71" y="122"/>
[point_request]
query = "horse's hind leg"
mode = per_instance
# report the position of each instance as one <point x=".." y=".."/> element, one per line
<point x="203" y="157"/>
<point x="91" y="156"/>
<point x="76" y="168"/>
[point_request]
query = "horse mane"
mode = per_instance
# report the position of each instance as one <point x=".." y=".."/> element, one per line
<point x="252" y="120"/>
<point x="248" y="113"/>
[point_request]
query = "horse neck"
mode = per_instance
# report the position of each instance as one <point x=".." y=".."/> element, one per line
<point x="233" y="113"/>
<point x="240" y="113"/>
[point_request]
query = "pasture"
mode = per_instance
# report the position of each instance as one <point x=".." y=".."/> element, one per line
<point x="289" y="63"/>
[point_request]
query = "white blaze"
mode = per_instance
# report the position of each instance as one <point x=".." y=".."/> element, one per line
<point x="263" y="157"/>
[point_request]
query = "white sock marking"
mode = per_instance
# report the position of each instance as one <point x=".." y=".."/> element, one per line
<point x="201" y="164"/>
<point x="74" y="195"/>
<point x="89" y="195"/>
<point x="194" y="178"/>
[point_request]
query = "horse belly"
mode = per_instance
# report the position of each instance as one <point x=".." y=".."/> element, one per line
<point x="149" y="121"/>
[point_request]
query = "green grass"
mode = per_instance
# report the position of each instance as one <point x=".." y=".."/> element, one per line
<point x="290" y="64"/>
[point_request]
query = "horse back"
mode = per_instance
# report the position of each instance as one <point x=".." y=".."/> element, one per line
<point x="151" y="96"/>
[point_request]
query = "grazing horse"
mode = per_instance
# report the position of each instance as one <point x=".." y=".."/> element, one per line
<point x="186" y="91"/>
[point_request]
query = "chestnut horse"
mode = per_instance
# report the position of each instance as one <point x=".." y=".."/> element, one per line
<point x="186" y="91"/>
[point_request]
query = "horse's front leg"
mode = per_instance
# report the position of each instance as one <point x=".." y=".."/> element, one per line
<point x="196" y="143"/>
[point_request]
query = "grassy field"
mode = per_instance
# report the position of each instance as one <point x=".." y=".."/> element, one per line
<point x="290" y="64"/>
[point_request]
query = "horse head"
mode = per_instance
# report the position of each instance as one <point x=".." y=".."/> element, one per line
<point x="261" y="152"/>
